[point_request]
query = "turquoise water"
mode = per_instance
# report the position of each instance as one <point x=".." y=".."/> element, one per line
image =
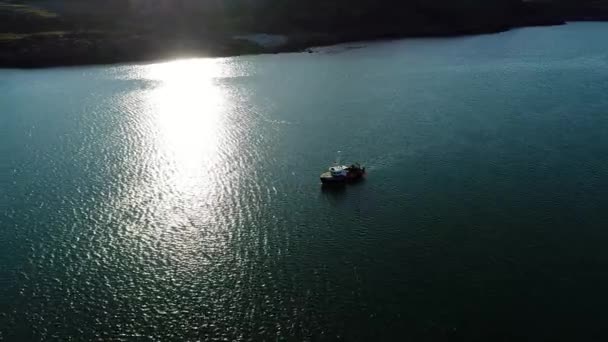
<point x="181" y="200"/>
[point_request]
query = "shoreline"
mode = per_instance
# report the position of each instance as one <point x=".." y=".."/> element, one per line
<point x="38" y="51"/>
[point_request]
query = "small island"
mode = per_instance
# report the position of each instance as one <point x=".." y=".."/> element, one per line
<point x="45" y="33"/>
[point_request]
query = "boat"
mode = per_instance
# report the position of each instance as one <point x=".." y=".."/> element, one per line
<point x="341" y="174"/>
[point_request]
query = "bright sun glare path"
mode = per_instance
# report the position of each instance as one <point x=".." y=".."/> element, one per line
<point x="188" y="108"/>
<point x="182" y="119"/>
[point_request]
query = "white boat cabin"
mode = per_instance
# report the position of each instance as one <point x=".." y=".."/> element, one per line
<point x="338" y="171"/>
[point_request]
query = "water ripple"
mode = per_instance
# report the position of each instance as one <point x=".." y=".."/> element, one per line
<point x="180" y="201"/>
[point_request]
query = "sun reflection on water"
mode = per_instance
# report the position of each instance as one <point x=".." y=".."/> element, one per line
<point x="188" y="106"/>
<point x="189" y="141"/>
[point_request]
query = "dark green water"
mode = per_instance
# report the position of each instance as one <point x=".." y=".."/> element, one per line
<point x="181" y="201"/>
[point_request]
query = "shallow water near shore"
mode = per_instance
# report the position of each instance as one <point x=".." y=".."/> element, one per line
<point x="181" y="200"/>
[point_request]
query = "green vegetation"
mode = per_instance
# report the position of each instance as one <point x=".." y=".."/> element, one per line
<point x="11" y="36"/>
<point x="17" y="36"/>
<point x="26" y="10"/>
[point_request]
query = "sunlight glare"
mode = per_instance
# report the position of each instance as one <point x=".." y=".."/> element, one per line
<point x="188" y="105"/>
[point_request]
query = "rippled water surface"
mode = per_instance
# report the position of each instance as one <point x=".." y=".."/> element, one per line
<point x="181" y="201"/>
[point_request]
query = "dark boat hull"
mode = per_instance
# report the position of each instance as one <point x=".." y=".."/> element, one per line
<point x="327" y="178"/>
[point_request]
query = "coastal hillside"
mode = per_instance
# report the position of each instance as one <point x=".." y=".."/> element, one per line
<point x="37" y="33"/>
